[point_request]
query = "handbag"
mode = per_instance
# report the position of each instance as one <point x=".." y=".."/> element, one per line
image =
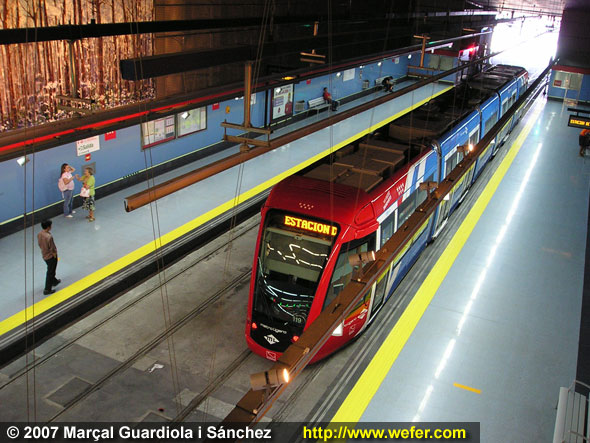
<point x="85" y="192"/>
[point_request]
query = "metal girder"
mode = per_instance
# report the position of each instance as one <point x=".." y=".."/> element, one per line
<point x="93" y="30"/>
<point x="149" y="195"/>
<point x="247" y="140"/>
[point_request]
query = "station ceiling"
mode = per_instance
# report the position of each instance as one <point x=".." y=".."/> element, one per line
<point x="549" y="7"/>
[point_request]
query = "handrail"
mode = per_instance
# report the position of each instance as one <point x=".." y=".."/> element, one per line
<point x="563" y="423"/>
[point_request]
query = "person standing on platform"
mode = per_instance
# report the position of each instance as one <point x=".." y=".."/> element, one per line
<point x="584" y="141"/>
<point x="49" y="253"/>
<point x="87" y="192"/>
<point x="66" y="186"/>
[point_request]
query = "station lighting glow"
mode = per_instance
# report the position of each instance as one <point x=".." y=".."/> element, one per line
<point x="533" y="43"/>
<point x="22" y="160"/>
<point x="269" y="379"/>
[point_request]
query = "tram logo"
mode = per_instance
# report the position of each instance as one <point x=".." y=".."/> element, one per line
<point x="400" y="188"/>
<point x="387" y="199"/>
<point x="271" y="339"/>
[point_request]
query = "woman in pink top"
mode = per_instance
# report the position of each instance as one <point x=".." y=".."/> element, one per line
<point x="66" y="186"/>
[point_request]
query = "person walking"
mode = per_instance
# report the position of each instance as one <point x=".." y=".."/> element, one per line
<point x="88" y="192"/>
<point x="66" y="186"/>
<point x="584" y="141"/>
<point x="49" y="253"/>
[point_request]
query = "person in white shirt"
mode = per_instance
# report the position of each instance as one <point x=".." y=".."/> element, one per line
<point x="66" y="186"/>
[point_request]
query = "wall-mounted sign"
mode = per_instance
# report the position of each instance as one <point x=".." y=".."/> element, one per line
<point x="282" y="101"/>
<point x="87" y="145"/>
<point x="348" y="75"/>
<point x="111" y="135"/>
<point x="576" y="121"/>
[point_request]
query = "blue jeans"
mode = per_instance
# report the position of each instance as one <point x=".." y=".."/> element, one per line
<point x="68" y="201"/>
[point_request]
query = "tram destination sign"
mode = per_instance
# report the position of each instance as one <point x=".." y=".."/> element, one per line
<point x="576" y="121"/>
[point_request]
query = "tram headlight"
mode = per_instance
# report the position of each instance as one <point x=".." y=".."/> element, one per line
<point x="269" y="379"/>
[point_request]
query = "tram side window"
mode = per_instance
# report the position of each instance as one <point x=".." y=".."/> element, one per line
<point x="406" y="209"/>
<point x="343" y="271"/>
<point x="422" y="194"/>
<point x="474" y="138"/>
<point x="504" y="106"/>
<point x="387" y="228"/>
<point x="451" y="163"/>
<point x="490" y="122"/>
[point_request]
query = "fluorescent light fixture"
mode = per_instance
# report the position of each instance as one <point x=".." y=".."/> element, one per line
<point x="361" y="66"/>
<point x="185" y="114"/>
<point x="338" y="74"/>
<point x="22" y="160"/>
<point x="379" y="64"/>
<point x="409" y="56"/>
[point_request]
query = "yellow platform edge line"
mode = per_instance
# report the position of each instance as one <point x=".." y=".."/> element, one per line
<point x="355" y="404"/>
<point x="467" y="388"/>
<point x="67" y="292"/>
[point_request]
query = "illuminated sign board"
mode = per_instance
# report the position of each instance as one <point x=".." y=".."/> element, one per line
<point x="312" y="226"/>
<point x="576" y="121"/>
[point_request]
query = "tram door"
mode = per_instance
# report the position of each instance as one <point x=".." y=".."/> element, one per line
<point x="387" y="229"/>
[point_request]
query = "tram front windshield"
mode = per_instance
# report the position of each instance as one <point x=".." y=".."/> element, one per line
<point x="293" y="254"/>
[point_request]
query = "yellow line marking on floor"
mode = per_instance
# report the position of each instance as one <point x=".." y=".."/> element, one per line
<point x="360" y="396"/>
<point x="75" y="288"/>
<point x="467" y="388"/>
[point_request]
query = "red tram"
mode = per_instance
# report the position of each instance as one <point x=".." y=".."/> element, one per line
<point x="314" y="225"/>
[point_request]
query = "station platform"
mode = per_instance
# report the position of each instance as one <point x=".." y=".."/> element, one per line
<point x="492" y="331"/>
<point x="92" y="254"/>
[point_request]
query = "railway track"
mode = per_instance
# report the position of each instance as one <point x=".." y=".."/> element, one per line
<point x="125" y="313"/>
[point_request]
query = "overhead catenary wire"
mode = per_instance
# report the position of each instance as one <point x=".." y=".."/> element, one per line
<point x="161" y="272"/>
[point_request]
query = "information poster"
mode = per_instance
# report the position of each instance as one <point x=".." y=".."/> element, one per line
<point x="158" y="131"/>
<point x="282" y="102"/>
<point x="87" y="145"/>
<point x="348" y="75"/>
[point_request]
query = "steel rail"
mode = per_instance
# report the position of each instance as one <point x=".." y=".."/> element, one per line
<point x="255" y="404"/>
<point x="175" y="184"/>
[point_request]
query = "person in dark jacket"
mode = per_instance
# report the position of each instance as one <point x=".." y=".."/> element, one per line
<point x="49" y="253"/>
<point x="387" y="83"/>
